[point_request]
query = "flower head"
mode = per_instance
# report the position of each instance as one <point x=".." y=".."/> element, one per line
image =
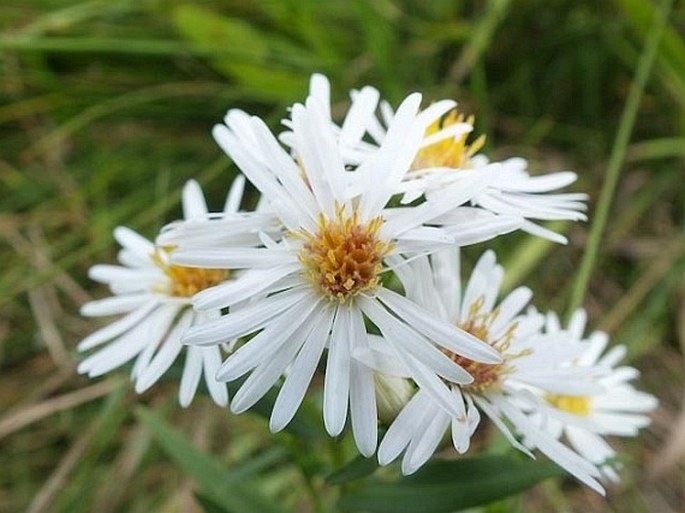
<point x="314" y="285"/>
<point x="529" y="359"/>
<point x="154" y="294"/>
<point x="617" y="409"/>
<point x="510" y="198"/>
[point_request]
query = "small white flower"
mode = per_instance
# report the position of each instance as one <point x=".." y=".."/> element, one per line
<point x="154" y="295"/>
<point x="313" y="287"/>
<point x="446" y="157"/>
<point x="619" y="409"/>
<point x="529" y="359"/>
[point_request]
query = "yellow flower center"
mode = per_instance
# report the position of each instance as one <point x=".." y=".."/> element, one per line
<point x="186" y="281"/>
<point x="576" y="404"/>
<point x="486" y="377"/>
<point x="344" y="256"/>
<point x="453" y="152"/>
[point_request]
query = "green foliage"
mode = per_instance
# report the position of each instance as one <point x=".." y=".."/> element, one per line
<point x="355" y="469"/>
<point x="231" y="489"/>
<point x="444" y="486"/>
<point x="256" y="63"/>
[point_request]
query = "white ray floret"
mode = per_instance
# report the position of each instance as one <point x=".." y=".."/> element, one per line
<point x="153" y="296"/>
<point x="530" y="358"/>
<point x="312" y="288"/>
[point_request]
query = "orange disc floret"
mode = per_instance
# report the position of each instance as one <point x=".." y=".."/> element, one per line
<point x="344" y="256"/>
<point x="486" y="377"/>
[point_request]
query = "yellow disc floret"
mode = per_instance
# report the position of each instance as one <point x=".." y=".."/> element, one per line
<point x="576" y="404"/>
<point x="186" y="281"/>
<point x="343" y="258"/>
<point x="454" y="151"/>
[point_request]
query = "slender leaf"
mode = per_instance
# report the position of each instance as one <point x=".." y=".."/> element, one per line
<point x="209" y="505"/>
<point x="263" y="62"/>
<point x="444" y="486"/>
<point x="357" y="468"/>
<point x="230" y="488"/>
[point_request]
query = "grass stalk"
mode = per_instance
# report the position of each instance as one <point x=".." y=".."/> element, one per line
<point x="618" y="154"/>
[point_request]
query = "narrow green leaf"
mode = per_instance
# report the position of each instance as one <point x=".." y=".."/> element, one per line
<point x="444" y="486"/>
<point x="270" y="67"/>
<point x="357" y="468"/>
<point x="618" y="153"/>
<point x="228" y="488"/>
<point x="205" y="27"/>
<point x="209" y="505"/>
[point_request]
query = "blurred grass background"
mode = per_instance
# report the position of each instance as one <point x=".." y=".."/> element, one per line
<point x="105" y="111"/>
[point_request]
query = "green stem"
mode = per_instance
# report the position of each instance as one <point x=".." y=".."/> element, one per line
<point x="618" y="154"/>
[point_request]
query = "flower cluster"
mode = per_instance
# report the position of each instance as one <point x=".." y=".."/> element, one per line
<point x="306" y="277"/>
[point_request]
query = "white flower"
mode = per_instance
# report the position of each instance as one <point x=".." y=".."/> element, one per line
<point x="314" y="287"/>
<point x="155" y="297"/>
<point x="446" y="157"/>
<point x="619" y="409"/>
<point x="529" y="359"/>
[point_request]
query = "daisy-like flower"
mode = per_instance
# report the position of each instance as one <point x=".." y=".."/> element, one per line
<point x="500" y="391"/>
<point x="447" y="156"/>
<point x="619" y="409"/>
<point x="315" y="286"/>
<point x="154" y="295"/>
<point x="465" y="224"/>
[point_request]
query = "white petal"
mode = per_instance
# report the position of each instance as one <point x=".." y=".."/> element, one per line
<point x="493" y="414"/>
<point x="243" y="321"/>
<point x="280" y="331"/>
<point x="443" y="333"/>
<point x="404" y="427"/>
<point x="337" y="377"/>
<point x="363" y="410"/>
<point x="194" y="204"/>
<point x="247" y="285"/>
<point x="477" y="286"/>
<point x="359" y="116"/>
<point x="392" y="159"/>
<point x="422" y="448"/>
<point x="117" y="327"/>
<point x="133" y="241"/>
<point x="231" y="258"/>
<point x="105" y="273"/>
<point x="235" y="195"/>
<point x="211" y="358"/>
<point x="380" y="356"/>
<point x="590" y="445"/>
<point x="408" y="342"/>
<point x="579" y="467"/>
<point x="545" y="233"/>
<point x="114" y="305"/>
<point x="320" y="88"/>
<point x="315" y="163"/>
<point x="447" y="281"/>
<point x="190" y="379"/>
<point x="123" y="349"/>
<point x="265" y="375"/>
<point x="165" y="357"/>
<point x="510" y="308"/>
<point x="300" y="375"/>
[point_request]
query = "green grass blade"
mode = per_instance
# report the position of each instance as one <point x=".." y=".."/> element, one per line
<point x="618" y="153"/>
